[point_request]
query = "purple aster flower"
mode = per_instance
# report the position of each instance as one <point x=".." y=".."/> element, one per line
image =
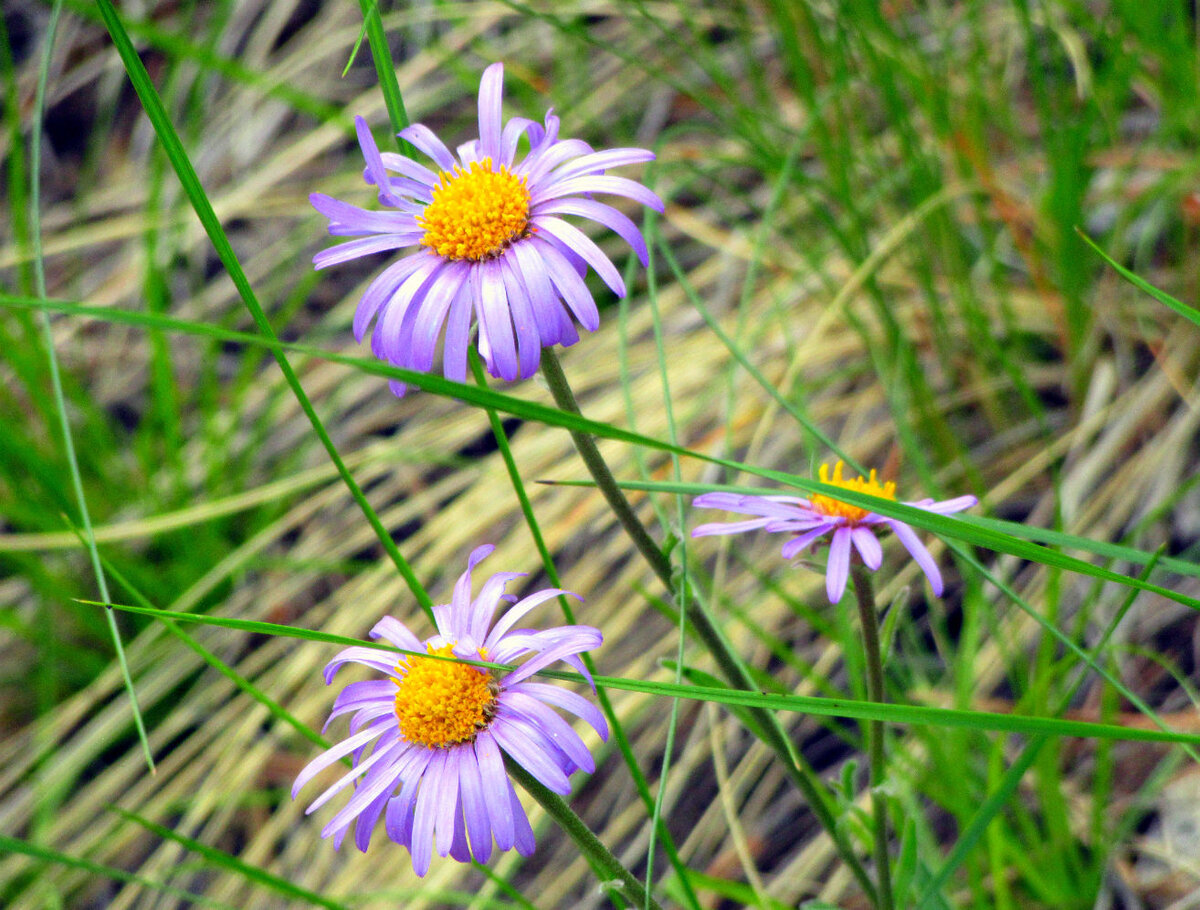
<point x="427" y="742"/>
<point x="491" y="238"/>
<point x="852" y="529"/>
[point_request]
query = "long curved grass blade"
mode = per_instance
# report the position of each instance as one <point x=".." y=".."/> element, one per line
<point x="39" y="267"/>
<point x="45" y="854"/>
<point x="826" y="707"/>
<point x="1102" y="548"/>
<point x="1187" y="312"/>
<point x="231" y="863"/>
<point x="944" y="526"/>
<point x="385" y="71"/>
<point x="182" y="164"/>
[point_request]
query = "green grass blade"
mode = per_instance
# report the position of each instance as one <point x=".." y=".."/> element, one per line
<point x="945" y="526"/>
<point x="1187" y="312"/>
<point x="232" y="864"/>
<point x="35" y="219"/>
<point x="385" y="70"/>
<point x="45" y="854"/>
<point x="826" y="707"/>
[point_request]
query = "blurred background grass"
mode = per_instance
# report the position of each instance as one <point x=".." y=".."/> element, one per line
<point x="878" y="203"/>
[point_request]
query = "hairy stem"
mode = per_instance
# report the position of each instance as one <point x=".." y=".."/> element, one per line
<point x="735" y="672"/>
<point x="865" y="594"/>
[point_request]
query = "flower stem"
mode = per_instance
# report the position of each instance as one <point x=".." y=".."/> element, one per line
<point x="613" y="874"/>
<point x="865" y="594"/>
<point x="735" y="672"/>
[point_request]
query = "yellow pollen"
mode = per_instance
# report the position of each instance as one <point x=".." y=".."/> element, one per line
<point x="442" y="703"/>
<point x="836" y="508"/>
<point x="476" y="213"/>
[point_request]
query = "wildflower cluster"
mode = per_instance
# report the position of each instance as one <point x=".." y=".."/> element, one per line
<point x="428" y="742"/>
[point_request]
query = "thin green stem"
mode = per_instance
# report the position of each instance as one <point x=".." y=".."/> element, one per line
<point x="614" y="876"/>
<point x="800" y="772"/>
<point x="865" y="594"/>
<point x="385" y="71"/>
<point x="39" y="271"/>
<point x="619" y="737"/>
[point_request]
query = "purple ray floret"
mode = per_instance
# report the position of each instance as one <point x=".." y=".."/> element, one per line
<point x="428" y="744"/>
<point x="492" y="247"/>
<point x="851" y="530"/>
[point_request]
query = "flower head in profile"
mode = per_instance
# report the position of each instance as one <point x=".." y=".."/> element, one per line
<point x="427" y="742"/>
<point x="492" y="245"/>
<point x="849" y="528"/>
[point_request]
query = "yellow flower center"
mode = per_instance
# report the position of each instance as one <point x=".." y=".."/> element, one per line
<point x="835" y="508"/>
<point x="443" y="703"/>
<point x="475" y="213"/>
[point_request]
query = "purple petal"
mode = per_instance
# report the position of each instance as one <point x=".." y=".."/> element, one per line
<point x="605" y="215"/>
<point x="491" y="86"/>
<point x="529" y="339"/>
<point x="375" y="172"/>
<point x="359" y="695"/>
<point x="359" y="654"/>
<point x="602" y="161"/>
<point x="729" y="527"/>
<point x="361" y="797"/>
<point x="570" y="640"/>
<point x="838" y="570"/>
<point x="546" y="308"/>
<point x="382" y="288"/>
<point x="391" y="339"/>
<point x="379" y="243"/>
<point x="511" y="136"/>
<point x="572" y="288"/>
<point x="522" y="833"/>
<point x="399" y="818"/>
<point x="553" y="726"/>
<point x="946" y="507"/>
<point x="484" y="606"/>
<point x="868" y="545"/>
<point x="458" y="332"/>
<point x="396" y="633"/>
<point x="574" y="238"/>
<point x="548" y="156"/>
<point x="432" y="315"/>
<point x="468" y="153"/>
<point x="346" y="219"/>
<point x="422" y="175"/>
<point x="518" y="610"/>
<point x="513" y="741"/>
<point x="495" y="784"/>
<point x="924" y="559"/>
<point x="459" y="848"/>
<point x="462" y="588"/>
<point x="615" y="186"/>
<point x="421" y="847"/>
<point x="494" y="320"/>
<point x="331" y="756"/>
<point x="373" y="714"/>
<point x="568" y="701"/>
<point x="447" y="806"/>
<point x="479" y="826"/>
<point x="366" y="821"/>
<point x="424" y="139"/>
<point x="799" y="544"/>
